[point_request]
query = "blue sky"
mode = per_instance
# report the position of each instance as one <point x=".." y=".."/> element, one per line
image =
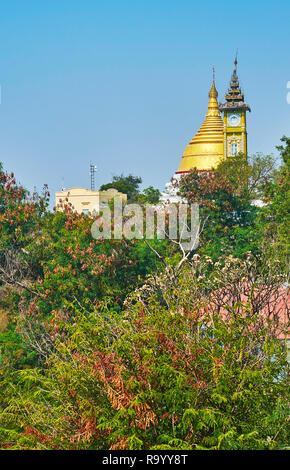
<point x="124" y="84"/>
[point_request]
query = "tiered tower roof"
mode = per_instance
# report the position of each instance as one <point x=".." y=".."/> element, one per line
<point x="234" y="97"/>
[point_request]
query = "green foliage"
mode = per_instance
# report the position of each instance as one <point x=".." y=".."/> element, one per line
<point x="275" y="216"/>
<point x="61" y="263"/>
<point x="156" y="377"/>
<point x="227" y="197"/>
<point x="262" y="173"/>
<point x="285" y="150"/>
<point x="248" y="176"/>
<point x="226" y="213"/>
<point x="150" y="196"/>
<point x="20" y="215"/>
<point x="125" y="184"/>
<point x="101" y="347"/>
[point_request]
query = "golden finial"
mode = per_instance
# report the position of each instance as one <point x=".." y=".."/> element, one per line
<point x="213" y="91"/>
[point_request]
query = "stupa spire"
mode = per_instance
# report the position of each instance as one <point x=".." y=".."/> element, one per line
<point x="205" y="149"/>
<point x="212" y="104"/>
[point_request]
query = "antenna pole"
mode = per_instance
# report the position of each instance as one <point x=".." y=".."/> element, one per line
<point x="93" y="169"/>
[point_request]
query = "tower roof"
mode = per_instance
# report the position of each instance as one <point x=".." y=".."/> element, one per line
<point x="234" y="97"/>
<point x="234" y="92"/>
<point x="206" y="148"/>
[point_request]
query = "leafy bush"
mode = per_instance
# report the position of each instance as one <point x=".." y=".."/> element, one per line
<point x="180" y="374"/>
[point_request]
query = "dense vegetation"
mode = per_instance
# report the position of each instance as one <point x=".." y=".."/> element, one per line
<point x="123" y="344"/>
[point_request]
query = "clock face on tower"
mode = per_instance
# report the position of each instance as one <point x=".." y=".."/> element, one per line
<point x="234" y="119"/>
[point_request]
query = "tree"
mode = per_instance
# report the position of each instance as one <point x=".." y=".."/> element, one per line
<point x="150" y="196"/>
<point x="248" y="176"/>
<point x="262" y="173"/>
<point x="21" y="217"/>
<point x="224" y="206"/>
<point x="47" y="260"/>
<point x="285" y="151"/>
<point x="186" y="376"/>
<point x="275" y="216"/>
<point x="62" y="263"/>
<point x="104" y="345"/>
<point x="125" y="184"/>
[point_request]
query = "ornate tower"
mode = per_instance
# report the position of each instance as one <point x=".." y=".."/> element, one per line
<point x="205" y="150"/>
<point x="235" y="125"/>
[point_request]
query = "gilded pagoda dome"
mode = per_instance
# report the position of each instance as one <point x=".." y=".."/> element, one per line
<point x="206" y="149"/>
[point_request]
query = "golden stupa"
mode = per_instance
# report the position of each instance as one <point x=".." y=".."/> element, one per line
<point x="206" y="149"/>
